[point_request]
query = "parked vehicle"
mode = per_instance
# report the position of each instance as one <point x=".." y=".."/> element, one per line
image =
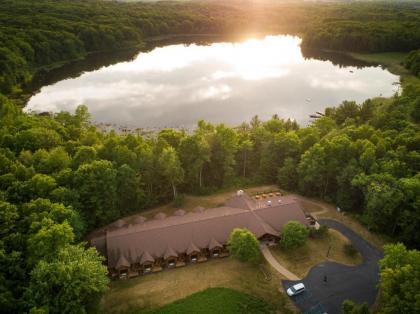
<point x="296" y="289"/>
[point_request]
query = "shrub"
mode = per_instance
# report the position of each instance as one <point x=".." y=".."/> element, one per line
<point x="349" y="307"/>
<point x="350" y="250"/>
<point x="294" y="235"/>
<point x="319" y="233"/>
<point x="179" y="200"/>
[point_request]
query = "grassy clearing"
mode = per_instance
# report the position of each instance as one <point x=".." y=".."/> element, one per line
<point x="155" y="290"/>
<point x="391" y="60"/>
<point x="301" y="260"/>
<point x="217" y="300"/>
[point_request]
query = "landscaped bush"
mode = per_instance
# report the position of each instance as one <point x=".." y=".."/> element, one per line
<point x="350" y="250"/>
<point x="321" y="232"/>
<point x="294" y="235"/>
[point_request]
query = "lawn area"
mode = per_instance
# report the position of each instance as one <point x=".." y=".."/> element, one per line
<point x="301" y="260"/>
<point x="155" y="290"/>
<point x="217" y="300"/>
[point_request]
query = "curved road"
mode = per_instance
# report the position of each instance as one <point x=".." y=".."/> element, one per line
<point x="357" y="283"/>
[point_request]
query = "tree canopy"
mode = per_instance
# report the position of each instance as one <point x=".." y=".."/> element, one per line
<point x="293" y="235"/>
<point x="244" y="246"/>
<point x="73" y="281"/>
<point x="399" y="280"/>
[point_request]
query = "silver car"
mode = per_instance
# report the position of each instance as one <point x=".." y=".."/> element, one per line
<point x="295" y="289"/>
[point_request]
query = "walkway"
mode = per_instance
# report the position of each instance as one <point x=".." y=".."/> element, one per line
<point x="357" y="283"/>
<point x="273" y="262"/>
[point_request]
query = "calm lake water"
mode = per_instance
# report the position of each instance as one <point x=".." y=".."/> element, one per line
<point x="176" y="85"/>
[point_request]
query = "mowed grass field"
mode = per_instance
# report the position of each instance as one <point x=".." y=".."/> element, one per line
<point x="216" y="300"/>
<point x="155" y="290"/>
<point x="301" y="260"/>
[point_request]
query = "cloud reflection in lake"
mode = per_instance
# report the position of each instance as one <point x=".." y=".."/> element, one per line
<point x="176" y="85"/>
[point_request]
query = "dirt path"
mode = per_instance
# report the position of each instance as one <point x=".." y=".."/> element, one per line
<point x="275" y="264"/>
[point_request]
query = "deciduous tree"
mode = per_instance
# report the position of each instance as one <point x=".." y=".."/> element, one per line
<point x="71" y="282"/>
<point x="244" y="246"/>
<point x="293" y="235"/>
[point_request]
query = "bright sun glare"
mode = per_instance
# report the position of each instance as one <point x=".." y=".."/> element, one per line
<point x="253" y="59"/>
<point x="257" y="59"/>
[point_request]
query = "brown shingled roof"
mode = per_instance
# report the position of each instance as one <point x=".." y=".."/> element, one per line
<point x="214" y="244"/>
<point x="122" y="263"/>
<point x="146" y="258"/>
<point x="192" y="248"/>
<point x="139" y="219"/>
<point x="199" y="209"/>
<point x="243" y="201"/>
<point x="199" y="230"/>
<point x="180" y="212"/>
<point x="119" y="223"/>
<point x="170" y="252"/>
<point x="160" y="216"/>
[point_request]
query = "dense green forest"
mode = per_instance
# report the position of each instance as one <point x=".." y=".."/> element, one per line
<point x="60" y="177"/>
<point x="46" y="33"/>
<point x="413" y="62"/>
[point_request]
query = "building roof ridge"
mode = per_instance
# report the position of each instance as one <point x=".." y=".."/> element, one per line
<point x="242" y="211"/>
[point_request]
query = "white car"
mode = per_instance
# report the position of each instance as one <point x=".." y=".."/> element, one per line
<point x="295" y="289"/>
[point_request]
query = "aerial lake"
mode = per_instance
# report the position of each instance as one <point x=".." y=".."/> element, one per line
<point x="178" y="84"/>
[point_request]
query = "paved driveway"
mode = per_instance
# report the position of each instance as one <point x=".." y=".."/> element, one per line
<point x="357" y="283"/>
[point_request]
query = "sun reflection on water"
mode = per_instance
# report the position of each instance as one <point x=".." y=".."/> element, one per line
<point x="177" y="85"/>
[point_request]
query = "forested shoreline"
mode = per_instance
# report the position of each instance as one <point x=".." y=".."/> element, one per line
<point x="60" y="177"/>
<point x="40" y="34"/>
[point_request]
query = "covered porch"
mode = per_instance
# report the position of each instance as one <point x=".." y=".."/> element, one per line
<point x="170" y="258"/>
<point x="194" y="254"/>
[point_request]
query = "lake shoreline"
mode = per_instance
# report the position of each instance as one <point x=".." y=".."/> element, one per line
<point x="217" y="80"/>
<point x="152" y="42"/>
